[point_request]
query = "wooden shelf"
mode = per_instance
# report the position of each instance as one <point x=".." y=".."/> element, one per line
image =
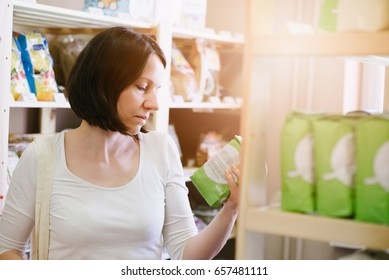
<point x="189" y="34"/>
<point x="39" y="104"/>
<point x="335" y="44"/>
<point x="264" y="17"/>
<point x="359" y="234"/>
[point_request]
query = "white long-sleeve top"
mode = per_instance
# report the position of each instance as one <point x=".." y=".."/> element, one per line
<point x="88" y="221"/>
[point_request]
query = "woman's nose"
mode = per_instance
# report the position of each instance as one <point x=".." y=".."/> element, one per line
<point x="151" y="101"/>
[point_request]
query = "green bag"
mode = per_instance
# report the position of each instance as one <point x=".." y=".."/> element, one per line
<point x="372" y="175"/>
<point x="297" y="174"/>
<point x="328" y="16"/>
<point x="334" y="150"/>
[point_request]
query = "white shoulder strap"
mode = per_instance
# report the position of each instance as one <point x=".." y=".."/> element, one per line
<point x="46" y="159"/>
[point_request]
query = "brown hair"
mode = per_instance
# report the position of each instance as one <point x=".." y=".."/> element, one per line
<point x="110" y="62"/>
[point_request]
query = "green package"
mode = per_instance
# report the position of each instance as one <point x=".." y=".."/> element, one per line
<point x="328" y="16"/>
<point x="297" y="173"/>
<point x="209" y="179"/>
<point x="334" y="150"/>
<point x="372" y="174"/>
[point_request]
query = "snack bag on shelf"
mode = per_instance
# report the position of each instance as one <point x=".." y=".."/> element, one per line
<point x="64" y="50"/>
<point x="38" y="65"/>
<point x="327" y="18"/>
<point x="205" y="61"/>
<point x="19" y="84"/>
<point x="372" y="175"/>
<point x="210" y="180"/>
<point x="183" y="76"/>
<point x="297" y="163"/>
<point x="334" y="161"/>
<point x="18" y="143"/>
<point x="118" y="8"/>
<point x="210" y="144"/>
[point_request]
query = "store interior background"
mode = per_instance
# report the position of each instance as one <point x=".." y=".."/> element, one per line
<point x="298" y="84"/>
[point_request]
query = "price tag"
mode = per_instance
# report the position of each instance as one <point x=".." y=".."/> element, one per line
<point x="59" y="97"/>
<point x="27" y="97"/>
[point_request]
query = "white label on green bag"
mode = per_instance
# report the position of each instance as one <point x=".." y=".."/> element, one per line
<point x="303" y="159"/>
<point x="343" y="160"/>
<point x="381" y="167"/>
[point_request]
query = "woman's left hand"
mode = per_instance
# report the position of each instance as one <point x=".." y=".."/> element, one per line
<point x="231" y="173"/>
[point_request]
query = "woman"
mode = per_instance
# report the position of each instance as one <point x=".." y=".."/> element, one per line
<point x="118" y="193"/>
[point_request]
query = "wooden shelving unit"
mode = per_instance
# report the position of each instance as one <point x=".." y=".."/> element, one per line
<point x="354" y="233"/>
<point x="255" y="217"/>
<point x="335" y="44"/>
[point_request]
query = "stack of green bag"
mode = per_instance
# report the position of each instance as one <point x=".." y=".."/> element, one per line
<point x="334" y="150"/>
<point x="336" y="165"/>
<point x="297" y="173"/>
<point x="372" y="177"/>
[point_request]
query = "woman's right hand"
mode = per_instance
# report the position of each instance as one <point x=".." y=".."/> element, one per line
<point x="231" y="173"/>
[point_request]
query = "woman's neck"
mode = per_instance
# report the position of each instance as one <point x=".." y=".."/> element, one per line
<point x="100" y="144"/>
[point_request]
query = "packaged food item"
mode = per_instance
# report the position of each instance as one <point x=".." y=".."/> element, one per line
<point x="209" y="146"/>
<point x="205" y="61"/>
<point x="191" y="14"/>
<point x="107" y="7"/>
<point x="183" y="76"/>
<point x="64" y="50"/>
<point x="372" y="176"/>
<point x="334" y="161"/>
<point x="297" y="163"/>
<point x="19" y="84"/>
<point x="327" y="18"/>
<point x="38" y="65"/>
<point x="210" y="180"/>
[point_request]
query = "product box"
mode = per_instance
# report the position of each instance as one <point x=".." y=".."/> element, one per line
<point x="297" y="169"/>
<point x="210" y="180"/>
<point x="372" y="174"/>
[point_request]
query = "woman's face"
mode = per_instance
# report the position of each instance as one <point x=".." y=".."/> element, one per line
<point x="139" y="99"/>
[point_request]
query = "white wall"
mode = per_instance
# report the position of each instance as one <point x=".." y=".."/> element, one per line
<point x="226" y="15"/>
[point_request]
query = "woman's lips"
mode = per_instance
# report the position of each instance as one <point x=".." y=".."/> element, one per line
<point x="143" y="119"/>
